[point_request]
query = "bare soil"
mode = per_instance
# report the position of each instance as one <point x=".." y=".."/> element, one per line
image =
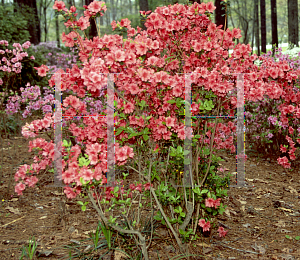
<point x="257" y="218"/>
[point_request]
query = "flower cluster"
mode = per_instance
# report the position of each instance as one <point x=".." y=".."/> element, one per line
<point x="13" y="64"/>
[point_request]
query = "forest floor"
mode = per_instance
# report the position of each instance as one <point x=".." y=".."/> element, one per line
<point x="258" y="217"/>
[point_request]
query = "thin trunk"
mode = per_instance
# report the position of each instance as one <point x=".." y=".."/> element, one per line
<point x="293" y="25"/>
<point x="263" y="26"/>
<point x="34" y="23"/>
<point x="45" y="21"/>
<point x="40" y="8"/>
<point x="253" y="27"/>
<point x="143" y="7"/>
<point x="274" y="25"/>
<point x="220" y="14"/>
<point x="122" y="9"/>
<point x="136" y="4"/>
<point x="107" y="18"/>
<point x="101" y="21"/>
<point x="246" y="34"/>
<point x="93" y="29"/>
<point x="57" y="31"/>
<point x="113" y="9"/>
<point x="130" y="7"/>
<point x="237" y="40"/>
<point x="82" y="4"/>
<point x="257" y="27"/>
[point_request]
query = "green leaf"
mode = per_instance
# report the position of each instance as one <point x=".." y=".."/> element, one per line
<point x="297" y="237"/>
<point x="221" y="210"/>
<point x="186" y="152"/>
<point x="132" y="135"/>
<point x="146" y="137"/>
<point x="143" y="103"/>
<point x="80" y="203"/>
<point x="196" y="190"/>
<point x="179" y="149"/>
<point x="65" y="143"/>
<point x="171" y="101"/>
<point x="181" y="232"/>
<point x="119" y="131"/>
<point x="130" y="130"/>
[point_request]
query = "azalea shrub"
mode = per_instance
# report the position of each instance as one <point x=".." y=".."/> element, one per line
<point x="21" y="58"/>
<point x="263" y="125"/>
<point x="149" y="102"/>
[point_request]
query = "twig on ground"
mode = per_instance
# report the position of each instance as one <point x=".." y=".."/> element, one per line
<point x="12" y="221"/>
<point x="241" y="250"/>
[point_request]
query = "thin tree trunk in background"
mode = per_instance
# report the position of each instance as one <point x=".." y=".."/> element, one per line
<point x="293" y="26"/>
<point x="263" y="26"/>
<point x="274" y="25"/>
<point x="143" y="7"/>
<point x="136" y="4"/>
<point x="33" y="24"/>
<point x="253" y="27"/>
<point x="197" y="1"/>
<point x="243" y="21"/>
<point x="57" y="31"/>
<point x="220" y="14"/>
<point x="237" y="40"/>
<point x="40" y="8"/>
<point x="113" y="10"/>
<point x="82" y="4"/>
<point x="122" y="9"/>
<point x="101" y="22"/>
<point x="45" y="21"/>
<point x="130" y="7"/>
<point x="107" y="18"/>
<point x="247" y="25"/>
<point x="257" y="27"/>
<point x="93" y="27"/>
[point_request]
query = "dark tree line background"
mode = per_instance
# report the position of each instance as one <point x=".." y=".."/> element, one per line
<point x="241" y="8"/>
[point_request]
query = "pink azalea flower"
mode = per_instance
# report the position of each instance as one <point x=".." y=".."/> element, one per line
<point x="205" y="226"/>
<point x="222" y="232"/>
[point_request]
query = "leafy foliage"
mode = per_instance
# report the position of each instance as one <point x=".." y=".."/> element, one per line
<point x="14" y="26"/>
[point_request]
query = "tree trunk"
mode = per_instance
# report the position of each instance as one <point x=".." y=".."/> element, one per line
<point x="143" y="7"/>
<point x="253" y="27"/>
<point x="57" y="31"/>
<point x="257" y="27"/>
<point x="33" y="24"/>
<point x="293" y="25"/>
<point x="130" y="7"/>
<point x="263" y="26"/>
<point x="193" y="1"/>
<point x="136" y="5"/>
<point x="220" y="15"/>
<point x="274" y="25"/>
<point x="45" y="21"/>
<point x="93" y="28"/>
<point x="113" y="10"/>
